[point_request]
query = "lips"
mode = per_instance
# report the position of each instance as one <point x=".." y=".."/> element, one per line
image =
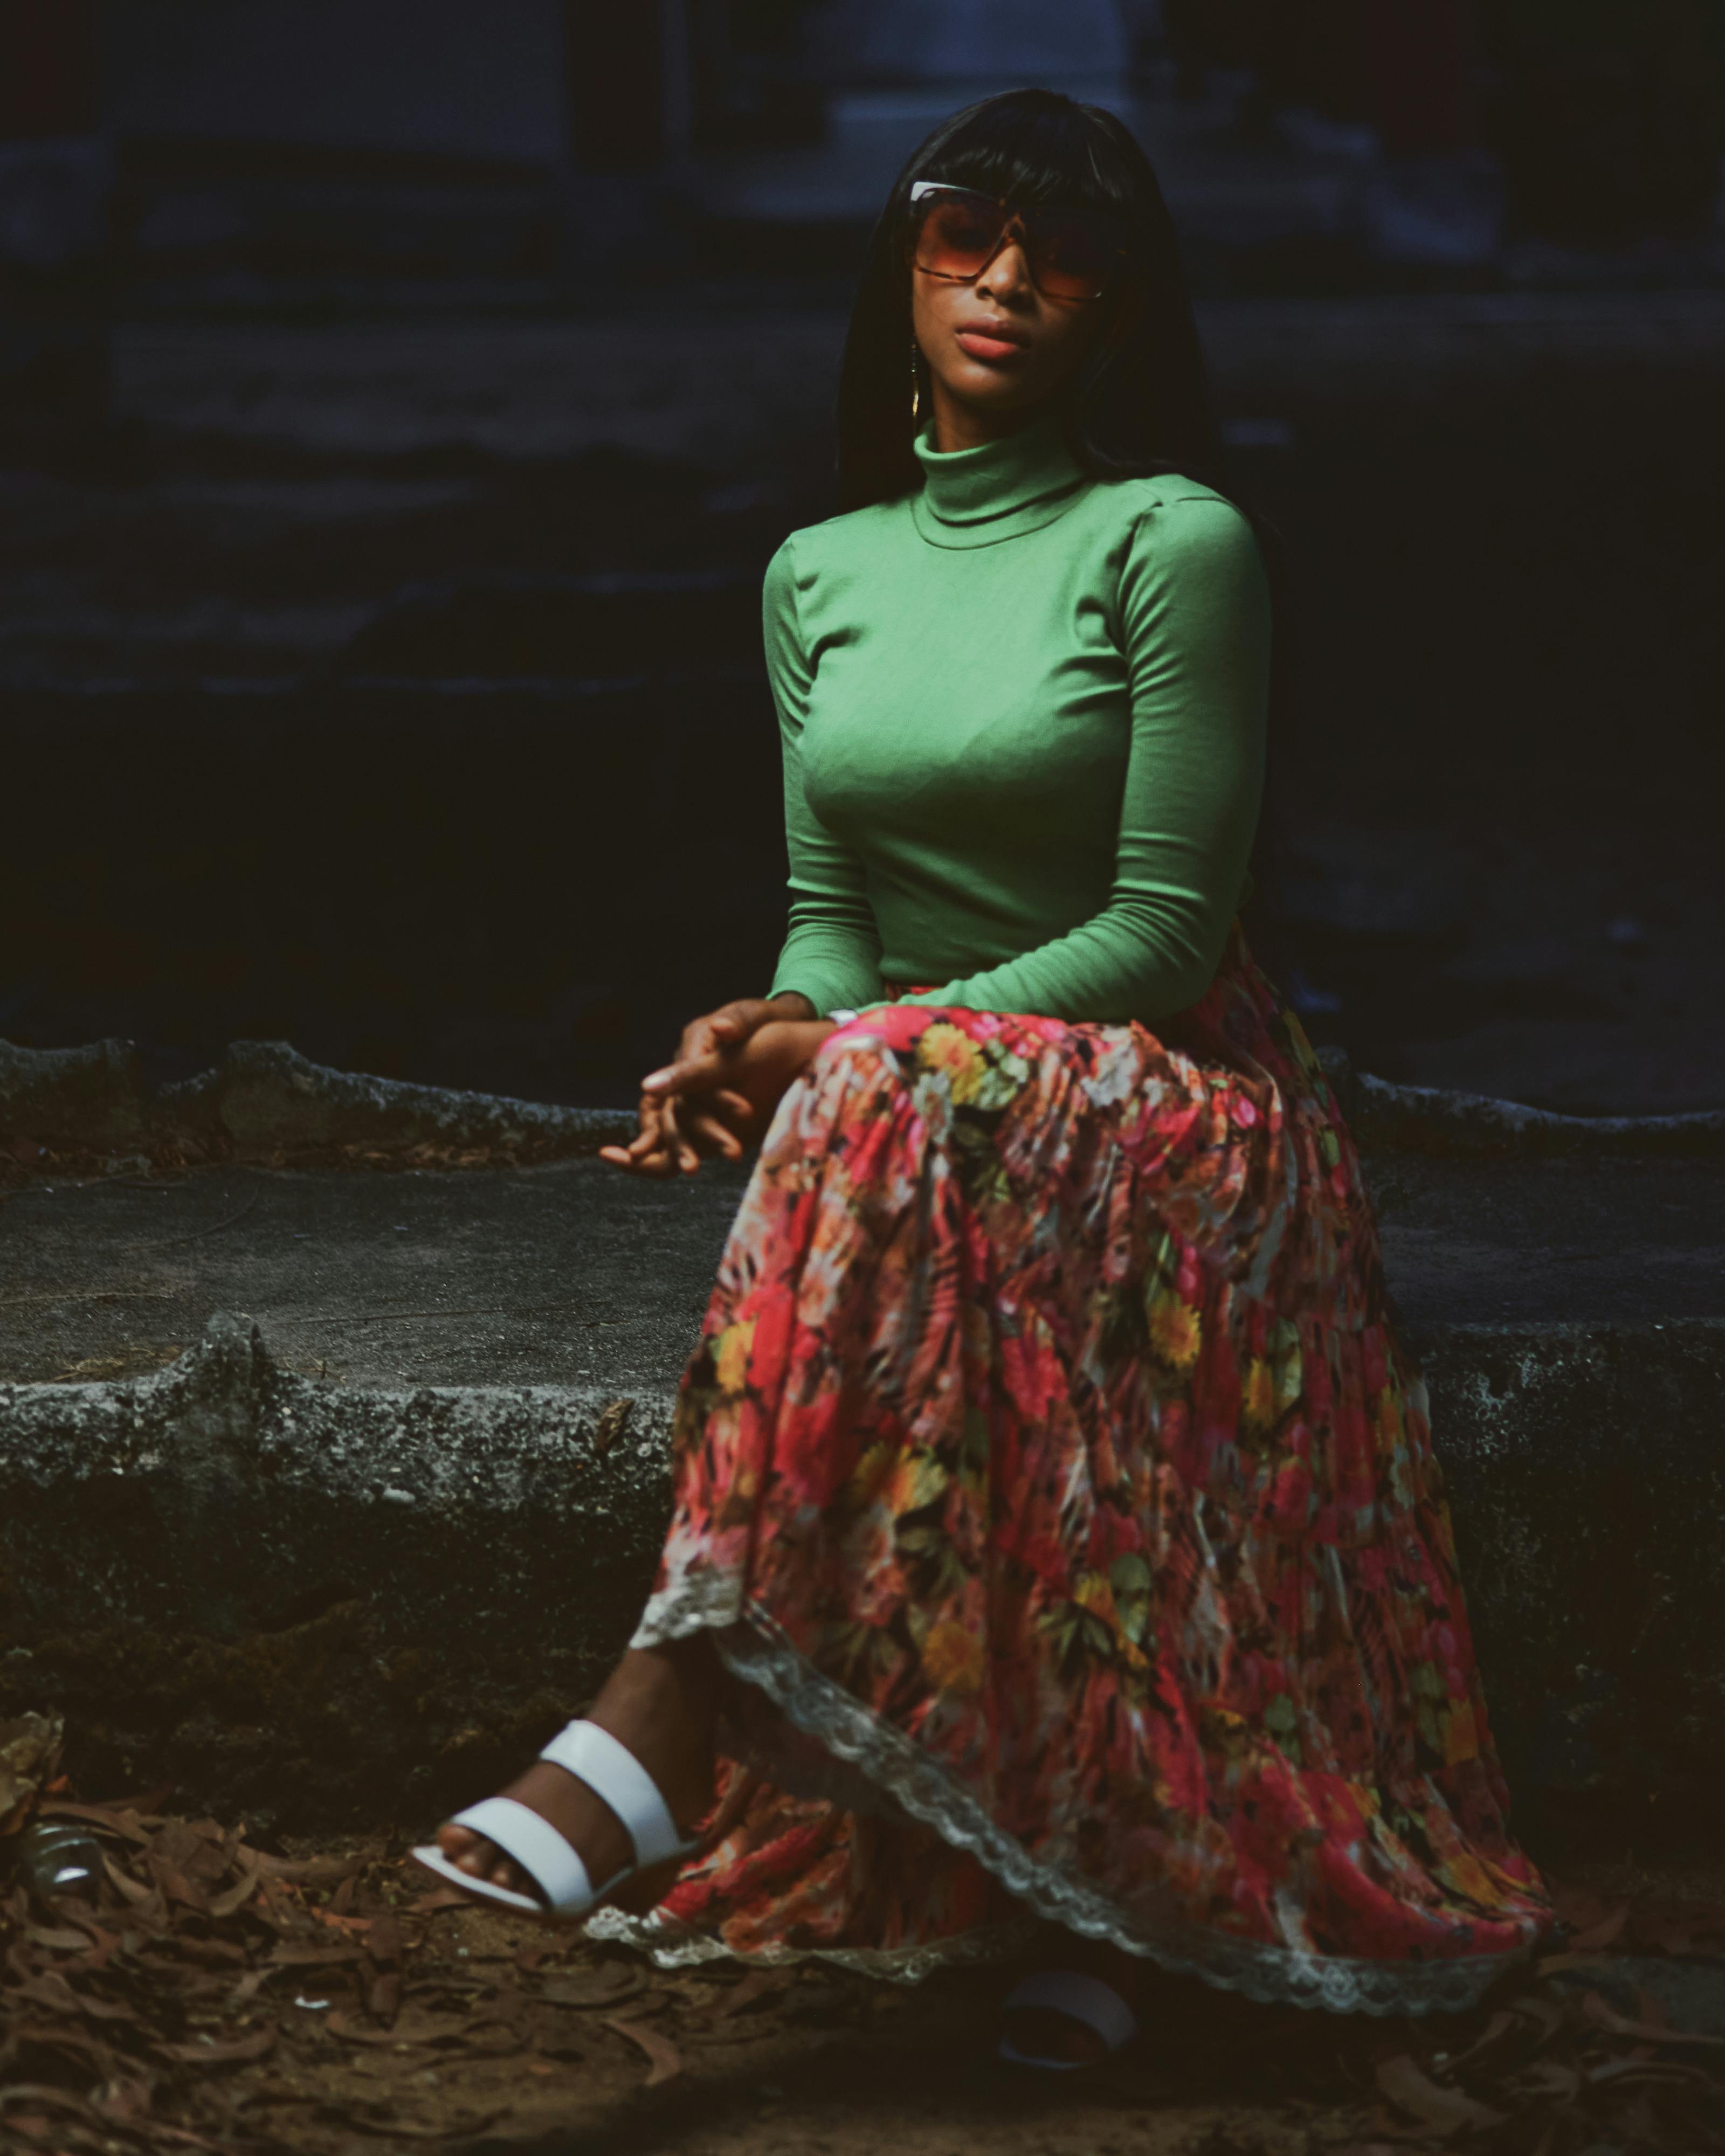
<point x="991" y="341"/>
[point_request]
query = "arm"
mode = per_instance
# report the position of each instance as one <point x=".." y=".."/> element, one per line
<point x="832" y="953"/>
<point x="1195" y="625"/>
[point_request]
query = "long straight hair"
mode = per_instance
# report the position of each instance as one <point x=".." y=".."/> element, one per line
<point x="1140" y="402"/>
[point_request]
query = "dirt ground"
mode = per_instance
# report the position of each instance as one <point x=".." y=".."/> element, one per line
<point x="205" y="1993"/>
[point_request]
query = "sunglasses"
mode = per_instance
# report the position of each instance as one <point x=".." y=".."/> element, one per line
<point x="1071" y="253"/>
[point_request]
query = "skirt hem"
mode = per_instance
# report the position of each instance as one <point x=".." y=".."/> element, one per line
<point x="754" y="1648"/>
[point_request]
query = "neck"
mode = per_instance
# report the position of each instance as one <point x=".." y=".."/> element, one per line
<point x="955" y="425"/>
<point x="974" y="497"/>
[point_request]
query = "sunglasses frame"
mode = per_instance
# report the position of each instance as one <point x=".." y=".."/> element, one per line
<point x="922" y="191"/>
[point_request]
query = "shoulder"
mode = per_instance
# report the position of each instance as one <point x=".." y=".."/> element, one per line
<point x="1175" y="536"/>
<point x="837" y="543"/>
<point x="1171" y="514"/>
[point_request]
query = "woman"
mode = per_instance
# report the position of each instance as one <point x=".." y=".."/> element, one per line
<point x="1057" y="1533"/>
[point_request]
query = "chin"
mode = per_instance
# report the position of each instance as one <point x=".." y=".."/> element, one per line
<point x="988" y="391"/>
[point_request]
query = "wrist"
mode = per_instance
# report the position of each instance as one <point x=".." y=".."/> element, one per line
<point x="792" y="1003"/>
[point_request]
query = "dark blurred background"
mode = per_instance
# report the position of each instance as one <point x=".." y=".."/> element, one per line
<point x="399" y="400"/>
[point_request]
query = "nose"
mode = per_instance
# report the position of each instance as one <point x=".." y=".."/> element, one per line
<point x="1007" y="279"/>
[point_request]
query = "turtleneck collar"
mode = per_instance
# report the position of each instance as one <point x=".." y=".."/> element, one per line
<point x="974" y="497"/>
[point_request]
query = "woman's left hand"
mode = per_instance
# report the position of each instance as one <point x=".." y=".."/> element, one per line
<point x="740" y="1089"/>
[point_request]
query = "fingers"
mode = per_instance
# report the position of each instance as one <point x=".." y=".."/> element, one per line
<point x="649" y="1152"/>
<point x="676" y="1134"/>
<point x="709" y="1135"/>
<point x="683" y="1154"/>
<point x="658" y="1163"/>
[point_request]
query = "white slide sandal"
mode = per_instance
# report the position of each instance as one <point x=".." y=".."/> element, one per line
<point x="1086" y="1999"/>
<point x="614" y="1774"/>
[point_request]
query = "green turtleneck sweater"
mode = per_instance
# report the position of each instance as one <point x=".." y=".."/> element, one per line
<point x="1023" y="718"/>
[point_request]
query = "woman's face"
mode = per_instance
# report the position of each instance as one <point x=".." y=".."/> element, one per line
<point x="998" y="350"/>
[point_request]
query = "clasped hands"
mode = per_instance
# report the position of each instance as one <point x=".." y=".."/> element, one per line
<point x="731" y="1070"/>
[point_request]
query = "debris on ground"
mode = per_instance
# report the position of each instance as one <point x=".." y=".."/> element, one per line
<point x="204" y="1993"/>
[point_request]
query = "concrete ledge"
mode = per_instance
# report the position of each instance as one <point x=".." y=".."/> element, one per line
<point x="265" y="1101"/>
<point x="1387" y="1118"/>
<point x="322" y="1604"/>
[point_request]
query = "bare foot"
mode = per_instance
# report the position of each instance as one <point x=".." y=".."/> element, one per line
<point x="660" y="1703"/>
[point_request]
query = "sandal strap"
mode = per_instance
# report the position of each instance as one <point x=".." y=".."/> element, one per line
<point x="614" y="1774"/>
<point x="1098" y="2006"/>
<point x="535" y="1844"/>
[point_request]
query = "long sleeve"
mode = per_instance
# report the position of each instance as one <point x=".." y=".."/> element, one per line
<point x="1193" y="621"/>
<point x="832" y="953"/>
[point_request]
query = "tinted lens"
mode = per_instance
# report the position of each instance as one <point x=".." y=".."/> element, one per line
<point x="957" y="236"/>
<point x="1071" y="258"/>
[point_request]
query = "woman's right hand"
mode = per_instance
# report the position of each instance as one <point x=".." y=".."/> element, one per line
<point x="679" y="1128"/>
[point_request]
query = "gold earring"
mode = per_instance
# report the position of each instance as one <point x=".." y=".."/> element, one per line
<point x="915" y="384"/>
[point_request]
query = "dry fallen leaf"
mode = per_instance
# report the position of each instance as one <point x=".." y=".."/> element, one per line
<point x="235" y="1897"/>
<point x="665" y="2059"/>
<point x="305" y="1871"/>
<point x="415" y="2025"/>
<point x="221" y="2052"/>
<point x="1598" y="2009"/>
<point x="1603" y="1934"/>
<point x="57" y="1937"/>
<point x="312" y="1954"/>
<point x="442" y="1897"/>
<point x="390" y="2120"/>
<point x="608" y="1985"/>
<point x="750" y="1990"/>
<point x="1445" y="2111"/>
<point x="1545" y="2078"/>
<point x="106" y="1818"/>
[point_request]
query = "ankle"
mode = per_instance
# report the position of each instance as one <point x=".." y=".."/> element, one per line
<point x="657" y="1703"/>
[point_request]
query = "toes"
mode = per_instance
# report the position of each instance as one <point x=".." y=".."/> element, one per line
<point x="471" y="1853"/>
<point x="498" y="1869"/>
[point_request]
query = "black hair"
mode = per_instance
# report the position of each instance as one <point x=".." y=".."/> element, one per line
<point x="1140" y="402"/>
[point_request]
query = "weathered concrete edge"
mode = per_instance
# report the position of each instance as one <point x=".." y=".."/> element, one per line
<point x="1389" y="1118"/>
<point x="250" y="1579"/>
<point x="266" y="1102"/>
<point x="317" y="1606"/>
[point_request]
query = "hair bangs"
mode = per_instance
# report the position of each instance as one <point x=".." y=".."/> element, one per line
<point x="1037" y="148"/>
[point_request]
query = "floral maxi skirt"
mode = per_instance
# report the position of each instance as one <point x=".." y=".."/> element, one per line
<point x="1048" y="1471"/>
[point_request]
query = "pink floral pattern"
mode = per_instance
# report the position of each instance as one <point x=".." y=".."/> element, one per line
<point x="1051" y="1464"/>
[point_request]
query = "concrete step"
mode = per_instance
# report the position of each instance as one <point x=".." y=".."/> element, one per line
<point x="761" y="376"/>
<point x="325" y="1491"/>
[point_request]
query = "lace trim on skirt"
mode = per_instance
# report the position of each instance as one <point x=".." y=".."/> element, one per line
<point x="754" y="1648"/>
